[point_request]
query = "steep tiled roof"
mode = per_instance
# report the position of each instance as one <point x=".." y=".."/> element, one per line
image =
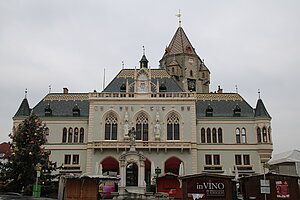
<point x="62" y="104"/>
<point x="222" y="104"/>
<point x="180" y="43"/>
<point x="260" y="110"/>
<point x="159" y="75"/>
<point x="23" y="110"/>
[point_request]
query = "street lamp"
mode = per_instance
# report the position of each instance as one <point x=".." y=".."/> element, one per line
<point x="36" y="188"/>
<point x="157" y="172"/>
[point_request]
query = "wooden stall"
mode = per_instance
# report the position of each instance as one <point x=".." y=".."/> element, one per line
<point x="208" y="186"/>
<point x="275" y="186"/>
<point x="73" y="187"/>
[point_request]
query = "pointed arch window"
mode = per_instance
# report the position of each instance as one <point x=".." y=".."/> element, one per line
<point x="258" y="135"/>
<point x="111" y="127"/>
<point x="81" y="137"/>
<point x="264" y="132"/>
<point x="76" y="135"/>
<point x="173" y="127"/>
<point x="220" y="136"/>
<point x="238" y="135"/>
<point x="203" y="135"/>
<point x="269" y="134"/>
<point x="191" y="73"/>
<point x="208" y="135"/>
<point x="70" y="136"/>
<point x="142" y="127"/>
<point x="244" y="139"/>
<point x="64" y="136"/>
<point x="214" y="135"/>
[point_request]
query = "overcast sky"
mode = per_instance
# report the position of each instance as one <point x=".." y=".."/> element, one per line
<point x="67" y="43"/>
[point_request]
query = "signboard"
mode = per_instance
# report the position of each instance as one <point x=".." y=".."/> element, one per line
<point x="265" y="186"/>
<point x="282" y="190"/>
<point x="208" y="188"/>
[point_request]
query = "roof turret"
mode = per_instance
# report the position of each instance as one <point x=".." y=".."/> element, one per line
<point x="24" y="109"/>
<point x="260" y="110"/>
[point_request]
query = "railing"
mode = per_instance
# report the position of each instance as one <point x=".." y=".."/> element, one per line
<point x="141" y="145"/>
<point x="151" y="95"/>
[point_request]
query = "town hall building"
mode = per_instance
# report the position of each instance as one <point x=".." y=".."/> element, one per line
<point x="178" y="121"/>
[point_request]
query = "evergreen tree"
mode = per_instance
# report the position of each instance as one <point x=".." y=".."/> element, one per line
<point x="18" y="173"/>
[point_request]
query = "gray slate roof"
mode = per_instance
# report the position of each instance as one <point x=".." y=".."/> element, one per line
<point x="260" y="110"/>
<point x="224" y="105"/>
<point x="159" y="75"/>
<point x="23" y="110"/>
<point x="62" y="104"/>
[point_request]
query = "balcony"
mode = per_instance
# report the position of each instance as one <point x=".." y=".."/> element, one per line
<point x="123" y="95"/>
<point x="146" y="145"/>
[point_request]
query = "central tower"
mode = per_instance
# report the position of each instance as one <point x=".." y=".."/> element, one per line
<point x="181" y="61"/>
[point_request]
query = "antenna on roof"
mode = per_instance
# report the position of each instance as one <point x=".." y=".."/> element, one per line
<point x="179" y="18"/>
<point x="49" y="88"/>
<point x="26" y="93"/>
<point x="103" y="86"/>
<point x="122" y="64"/>
<point x="236" y="89"/>
<point x="258" y="93"/>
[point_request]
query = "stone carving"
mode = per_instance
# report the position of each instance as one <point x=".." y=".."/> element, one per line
<point x="132" y="136"/>
<point x="157" y="127"/>
<point x="126" y="125"/>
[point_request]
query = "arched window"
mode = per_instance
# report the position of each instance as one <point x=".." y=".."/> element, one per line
<point x="265" y="139"/>
<point x="269" y="134"/>
<point x="238" y="135"/>
<point x="173" y="70"/>
<point x="173" y="127"/>
<point x="244" y="136"/>
<point x="142" y="127"/>
<point x="81" y="137"/>
<point x="202" y="135"/>
<point x="111" y="127"/>
<point x="258" y="135"/>
<point x="220" y="136"/>
<point x="70" y="136"/>
<point x="110" y="164"/>
<point x="64" y="136"/>
<point x="203" y="75"/>
<point x="208" y="135"/>
<point x="191" y="73"/>
<point x="214" y="135"/>
<point x="172" y="165"/>
<point x="76" y="135"/>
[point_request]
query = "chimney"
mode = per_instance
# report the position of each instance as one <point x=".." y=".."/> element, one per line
<point x="65" y="90"/>
<point x="220" y="90"/>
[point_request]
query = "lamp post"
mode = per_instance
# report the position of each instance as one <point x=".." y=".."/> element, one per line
<point x="36" y="189"/>
<point x="157" y="172"/>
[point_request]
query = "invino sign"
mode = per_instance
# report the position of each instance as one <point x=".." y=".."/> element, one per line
<point x="211" y="188"/>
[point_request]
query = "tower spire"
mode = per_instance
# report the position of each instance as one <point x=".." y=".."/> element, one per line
<point x="258" y="93"/>
<point x="179" y="18"/>
<point x="26" y="93"/>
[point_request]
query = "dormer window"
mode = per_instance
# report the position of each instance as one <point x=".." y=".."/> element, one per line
<point x="209" y="111"/>
<point x="162" y="87"/>
<point x="123" y="88"/>
<point x="188" y="49"/>
<point x="76" y="111"/>
<point x="237" y="111"/>
<point x="48" y="111"/>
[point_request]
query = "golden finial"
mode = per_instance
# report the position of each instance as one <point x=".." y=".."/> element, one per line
<point x="179" y="18"/>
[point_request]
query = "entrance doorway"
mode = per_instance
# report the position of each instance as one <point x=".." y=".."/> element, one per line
<point x="132" y="174"/>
